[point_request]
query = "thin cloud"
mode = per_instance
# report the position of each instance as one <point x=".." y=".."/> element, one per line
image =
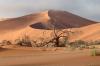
<point x="85" y="8"/>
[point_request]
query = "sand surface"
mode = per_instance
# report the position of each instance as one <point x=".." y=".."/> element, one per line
<point x="48" y="57"/>
<point x="35" y="25"/>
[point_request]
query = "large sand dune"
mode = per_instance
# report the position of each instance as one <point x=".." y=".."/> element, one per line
<point x="36" y="24"/>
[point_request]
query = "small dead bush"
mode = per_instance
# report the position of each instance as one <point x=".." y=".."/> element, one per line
<point x="6" y="42"/>
<point x="78" y="44"/>
<point x="24" y="41"/>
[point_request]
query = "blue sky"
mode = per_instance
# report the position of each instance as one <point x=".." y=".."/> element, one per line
<point x="86" y="8"/>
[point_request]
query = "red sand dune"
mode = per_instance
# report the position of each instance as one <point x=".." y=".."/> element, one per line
<point x="90" y="33"/>
<point x="35" y="24"/>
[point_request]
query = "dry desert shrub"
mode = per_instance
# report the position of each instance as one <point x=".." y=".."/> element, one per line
<point x="95" y="52"/>
<point x="78" y="43"/>
<point x="6" y="42"/>
<point x="24" y="41"/>
<point x="97" y="42"/>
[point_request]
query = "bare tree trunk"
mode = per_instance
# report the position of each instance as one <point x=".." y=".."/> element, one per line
<point x="57" y="42"/>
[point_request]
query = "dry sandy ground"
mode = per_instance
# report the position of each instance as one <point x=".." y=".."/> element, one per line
<point x="48" y="57"/>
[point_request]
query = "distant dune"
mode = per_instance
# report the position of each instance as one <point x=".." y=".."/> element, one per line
<point x="2" y="19"/>
<point x="36" y="24"/>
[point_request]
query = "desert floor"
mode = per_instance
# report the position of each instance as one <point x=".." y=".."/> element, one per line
<point x="47" y="57"/>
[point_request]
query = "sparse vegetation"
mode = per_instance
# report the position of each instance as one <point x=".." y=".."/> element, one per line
<point x="6" y="42"/>
<point x="78" y="44"/>
<point x="24" y="41"/>
<point x="58" y="38"/>
<point x="58" y="34"/>
<point x="97" y="42"/>
<point x="95" y="52"/>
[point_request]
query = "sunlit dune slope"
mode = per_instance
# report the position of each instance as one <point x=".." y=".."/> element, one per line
<point x="35" y="25"/>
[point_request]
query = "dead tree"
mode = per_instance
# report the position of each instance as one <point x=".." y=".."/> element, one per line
<point x="60" y="33"/>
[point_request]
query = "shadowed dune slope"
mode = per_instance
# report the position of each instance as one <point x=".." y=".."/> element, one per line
<point x="35" y="24"/>
<point x="60" y="19"/>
